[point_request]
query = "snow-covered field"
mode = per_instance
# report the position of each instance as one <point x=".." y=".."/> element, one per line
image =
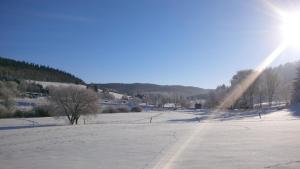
<point x="174" y="140"/>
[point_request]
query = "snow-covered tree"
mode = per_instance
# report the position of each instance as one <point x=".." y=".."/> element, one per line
<point x="296" y="92"/>
<point x="8" y="90"/>
<point x="272" y="82"/>
<point x="246" y="100"/>
<point x="73" y="102"/>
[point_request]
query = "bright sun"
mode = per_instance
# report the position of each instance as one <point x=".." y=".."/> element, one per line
<point x="291" y="29"/>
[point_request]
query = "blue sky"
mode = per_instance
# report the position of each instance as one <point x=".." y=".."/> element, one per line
<point x="197" y="43"/>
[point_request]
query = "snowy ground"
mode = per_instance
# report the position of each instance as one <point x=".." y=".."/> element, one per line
<point x="174" y="140"/>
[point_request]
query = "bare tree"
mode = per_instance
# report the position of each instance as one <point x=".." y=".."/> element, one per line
<point x="215" y="97"/>
<point x="285" y="90"/>
<point x="8" y="91"/>
<point x="212" y="100"/>
<point x="260" y="90"/>
<point x="272" y="82"/>
<point x="185" y="103"/>
<point x="247" y="98"/>
<point x="296" y="91"/>
<point x="135" y="101"/>
<point x="73" y="102"/>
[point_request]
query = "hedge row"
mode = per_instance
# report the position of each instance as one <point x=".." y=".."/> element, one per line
<point x="121" y="110"/>
<point x="37" y="112"/>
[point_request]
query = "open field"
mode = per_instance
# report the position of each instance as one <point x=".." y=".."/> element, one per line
<point x="174" y="140"/>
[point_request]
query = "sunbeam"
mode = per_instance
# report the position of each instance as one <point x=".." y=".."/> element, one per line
<point x="167" y="161"/>
<point x="290" y="27"/>
<point x="238" y="91"/>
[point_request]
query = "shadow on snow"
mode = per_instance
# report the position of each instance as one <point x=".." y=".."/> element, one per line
<point x="223" y="116"/>
<point x="26" y="126"/>
<point x="295" y="110"/>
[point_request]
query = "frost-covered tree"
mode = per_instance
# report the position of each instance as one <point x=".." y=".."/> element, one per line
<point x="272" y="82"/>
<point x="216" y="96"/>
<point x="73" y="102"/>
<point x="246" y="100"/>
<point x="8" y="91"/>
<point x="296" y="92"/>
<point x="260" y="92"/>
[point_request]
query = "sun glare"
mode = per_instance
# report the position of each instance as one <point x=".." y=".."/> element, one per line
<point x="291" y="29"/>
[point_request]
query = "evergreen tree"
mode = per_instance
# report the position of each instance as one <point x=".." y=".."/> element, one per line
<point x="12" y="70"/>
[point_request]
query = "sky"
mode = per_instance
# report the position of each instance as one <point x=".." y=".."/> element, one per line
<point x="170" y="42"/>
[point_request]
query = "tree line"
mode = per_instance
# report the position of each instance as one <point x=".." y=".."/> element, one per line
<point x="266" y="88"/>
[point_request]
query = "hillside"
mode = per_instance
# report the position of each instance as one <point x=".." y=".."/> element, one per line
<point x="19" y="70"/>
<point x="140" y="88"/>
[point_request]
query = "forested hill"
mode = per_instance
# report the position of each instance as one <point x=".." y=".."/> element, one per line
<point x="20" y="70"/>
<point x="142" y="88"/>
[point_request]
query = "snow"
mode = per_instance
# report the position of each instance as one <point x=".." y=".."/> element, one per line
<point x="26" y="104"/>
<point x="55" y="84"/>
<point x="172" y="140"/>
<point x="116" y="95"/>
<point x="169" y="105"/>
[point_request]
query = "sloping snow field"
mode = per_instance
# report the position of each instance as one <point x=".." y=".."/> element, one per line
<point x="174" y="140"/>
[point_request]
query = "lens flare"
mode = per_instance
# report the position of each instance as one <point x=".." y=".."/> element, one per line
<point x="290" y="28"/>
<point x="290" y="24"/>
<point x="291" y="36"/>
<point x="167" y="161"/>
<point x="239" y="90"/>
